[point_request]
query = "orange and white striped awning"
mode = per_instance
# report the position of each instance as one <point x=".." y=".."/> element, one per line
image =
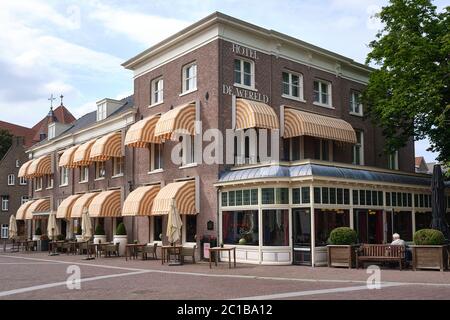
<point x="21" y="212"/>
<point x="254" y="114"/>
<point x="40" y="167"/>
<point x="184" y="194"/>
<point x="302" y="123"/>
<point x="82" y="202"/>
<point x="178" y="120"/>
<point x="81" y="156"/>
<point x="65" y="208"/>
<point x="38" y="206"/>
<point x="142" y="133"/>
<point x="106" y="204"/>
<point x="106" y="147"/>
<point x="23" y="171"/>
<point x="140" y="201"/>
<point x="66" y="159"/>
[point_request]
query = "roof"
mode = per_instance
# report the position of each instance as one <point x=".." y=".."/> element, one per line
<point x="18" y="131"/>
<point x="419" y="161"/>
<point x="311" y="169"/>
<point x="62" y="115"/>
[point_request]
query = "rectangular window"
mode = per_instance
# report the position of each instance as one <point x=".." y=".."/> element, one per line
<point x="332" y="195"/>
<point x="368" y="197"/>
<point x="322" y="93"/>
<point x="282" y="196"/>
<point x="246" y="197"/>
<point x="224" y="199"/>
<point x="63" y="176"/>
<point x="323" y="149"/>
<point x="4" y="231"/>
<point x="101" y="111"/>
<point x="5" y="203"/>
<point x="100" y="171"/>
<point x="84" y="174"/>
<point x="393" y="161"/>
<point x="238" y="197"/>
<point x="51" y="131"/>
<point x="358" y="149"/>
<point x="17" y="163"/>
<point x="244" y="73"/>
<point x="292" y="85"/>
<point x="268" y="196"/>
<point x="296" y="196"/>
<point x="346" y="196"/>
<point x="24" y="199"/>
<point x="11" y="180"/>
<point x="49" y="181"/>
<point x="292" y="148"/>
<point x="157" y="228"/>
<point x="191" y="227"/>
<point x="231" y="198"/>
<point x="388" y="199"/>
<point x="240" y="227"/>
<point x="254" y="196"/>
<point x="189" y="78"/>
<point x="156" y="156"/>
<point x="325" y="199"/>
<point x="305" y="195"/>
<point x="317" y="195"/>
<point x="380" y="198"/>
<point x="339" y="196"/>
<point x="355" y="103"/>
<point x="38" y="184"/>
<point x="355" y="197"/>
<point x="22" y="181"/>
<point x="157" y="91"/>
<point x="362" y="197"/>
<point x="275" y="227"/>
<point x="325" y="222"/>
<point x="117" y="166"/>
<point x="402" y="224"/>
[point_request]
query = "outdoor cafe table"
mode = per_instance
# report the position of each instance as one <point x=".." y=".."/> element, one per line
<point x="97" y="247"/>
<point x="131" y="249"/>
<point x="166" y="251"/>
<point x="54" y="245"/>
<point x="217" y="251"/>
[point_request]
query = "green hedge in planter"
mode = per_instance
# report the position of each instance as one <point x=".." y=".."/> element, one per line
<point x="342" y="236"/>
<point x="99" y="231"/>
<point x="120" y="230"/>
<point x="429" y="237"/>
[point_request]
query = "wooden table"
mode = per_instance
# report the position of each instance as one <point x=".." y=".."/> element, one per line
<point x="176" y="250"/>
<point x="217" y="251"/>
<point x="131" y="250"/>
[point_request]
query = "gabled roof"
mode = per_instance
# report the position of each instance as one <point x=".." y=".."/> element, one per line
<point x="61" y="114"/>
<point x="19" y="131"/>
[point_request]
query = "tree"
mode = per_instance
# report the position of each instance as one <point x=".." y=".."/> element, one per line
<point x="408" y="95"/>
<point x="5" y="142"/>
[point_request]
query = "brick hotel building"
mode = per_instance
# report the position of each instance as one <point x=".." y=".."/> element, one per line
<point x="229" y="74"/>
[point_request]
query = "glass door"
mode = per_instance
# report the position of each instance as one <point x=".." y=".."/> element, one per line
<point x="301" y="233"/>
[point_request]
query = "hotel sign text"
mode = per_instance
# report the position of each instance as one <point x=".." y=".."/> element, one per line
<point x="244" y="51"/>
<point x="244" y="93"/>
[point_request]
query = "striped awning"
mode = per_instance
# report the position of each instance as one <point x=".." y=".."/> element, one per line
<point x="142" y="133"/>
<point x="302" y="123"/>
<point x="140" y="201"/>
<point x="40" y="167"/>
<point x="66" y="159"/>
<point x="180" y="119"/>
<point x="65" y="208"/>
<point x="82" y="154"/>
<point x="21" y="212"/>
<point x="23" y="171"/>
<point x="106" y="204"/>
<point x="184" y="194"/>
<point x="38" y="206"/>
<point x="106" y="147"/>
<point x="82" y="202"/>
<point x="254" y="114"/>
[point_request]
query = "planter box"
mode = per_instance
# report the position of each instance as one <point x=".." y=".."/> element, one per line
<point x="99" y="239"/>
<point x="123" y="241"/>
<point x="430" y="257"/>
<point x="43" y="245"/>
<point x="342" y="255"/>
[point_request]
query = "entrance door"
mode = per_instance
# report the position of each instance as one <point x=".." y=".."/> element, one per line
<point x="369" y="226"/>
<point x="301" y="236"/>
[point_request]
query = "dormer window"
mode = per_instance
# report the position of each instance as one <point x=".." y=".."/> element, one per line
<point x="51" y="131"/>
<point x="101" y="111"/>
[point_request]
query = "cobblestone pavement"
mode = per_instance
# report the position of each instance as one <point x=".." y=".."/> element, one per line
<point x="37" y="275"/>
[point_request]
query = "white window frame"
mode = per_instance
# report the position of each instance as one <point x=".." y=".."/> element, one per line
<point x="186" y="79"/>
<point x="23" y="181"/>
<point x="5" y="203"/>
<point x="330" y="97"/>
<point x="252" y="74"/>
<point x="393" y="161"/>
<point x="84" y="174"/>
<point x="51" y="131"/>
<point x="98" y="168"/>
<point x="355" y="100"/>
<point x="291" y="85"/>
<point x="63" y="176"/>
<point x="101" y="111"/>
<point x="302" y="148"/>
<point x="50" y="181"/>
<point x="157" y="87"/>
<point x="38" y="184"/>
<point x="361" y="148"/>
<point x="188" y="150"/>
<point x="330" y="150"/>
<point x="24" y="199"/>
<point x="4" y="231"/>
<point x="11" y="179"/>
<point x="17" y="164"/>
<point x="152" y="148"/>
<point x="117" y="163"/>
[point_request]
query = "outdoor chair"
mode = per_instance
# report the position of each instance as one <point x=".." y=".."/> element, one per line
<point x="31" y="246"/>
<point x="66" y="247"/>
<point x="83" y="247"/>
<point x="112" y="249"/>
<point x="188" y="250"/>
<point x="150" y="249"/>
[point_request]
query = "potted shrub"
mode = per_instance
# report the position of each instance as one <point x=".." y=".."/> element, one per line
<point x="44" y="242"/>
<point x="60" y="237"/>
<point x="342" y="247"/>
<point x="37" y="234"/>
<point x="121" y="238"/>
<point x="99" y="234"/>
<point x="429" y="250"/>
<point x="78" y="234"/>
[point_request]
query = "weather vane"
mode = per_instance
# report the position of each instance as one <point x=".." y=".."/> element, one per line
<point x="61" y="96"/>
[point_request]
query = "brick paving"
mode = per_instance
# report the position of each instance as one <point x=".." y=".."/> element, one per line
<point x="36" y="276"/>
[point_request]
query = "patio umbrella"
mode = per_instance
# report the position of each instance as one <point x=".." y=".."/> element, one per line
<point x="86" y="225"/>
<point x="12" y="227"/>
<point x="69" y="229"/>
<point x="52" y="227"/>
<point x="174" y="224"/>
<point x="438" y="204"/>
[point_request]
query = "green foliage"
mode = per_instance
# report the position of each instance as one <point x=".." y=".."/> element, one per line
<point x="411" y="87"/>
<point x="429" y="237"/>
<point x="120" y="230"/>
<point x="60" y="237"/>
<point x="99" y="230"/>
<point x="5" y="142"/>
<point x="38" y="231"/>
<point x="342" y="236"/>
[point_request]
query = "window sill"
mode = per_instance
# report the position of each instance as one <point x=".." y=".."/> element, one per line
<point x="243" y="86"/>
<point x="187" y="92"/>
<point x="293" y="98"/>
<point x="120" y="175"/>
<point x="356" y="114"/>
<point x="11" y="185"/>
<point x="156" y="104"/>
<point x="83" y="182"/>
<point x="50" y="188"/>
<point x="63" y="185"/>
<point x="22" y="184"/>
<point x="99" y="179"/>
<point x="189" y="165"/>
<point x="36" y="190"/>
<point x="323" y="105"/>
<point x="155" y="171"/>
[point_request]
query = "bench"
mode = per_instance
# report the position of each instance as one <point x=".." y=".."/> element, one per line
<point x="381" y="253"/>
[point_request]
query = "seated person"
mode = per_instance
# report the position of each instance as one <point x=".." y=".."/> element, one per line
<point x="397" y="241"/>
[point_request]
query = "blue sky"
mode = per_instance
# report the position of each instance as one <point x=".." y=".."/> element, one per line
<point x="75" y="48"/>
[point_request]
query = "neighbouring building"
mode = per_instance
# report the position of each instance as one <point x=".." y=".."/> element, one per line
<point x="226" y="74"/>
<point x="421" y="165"/>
